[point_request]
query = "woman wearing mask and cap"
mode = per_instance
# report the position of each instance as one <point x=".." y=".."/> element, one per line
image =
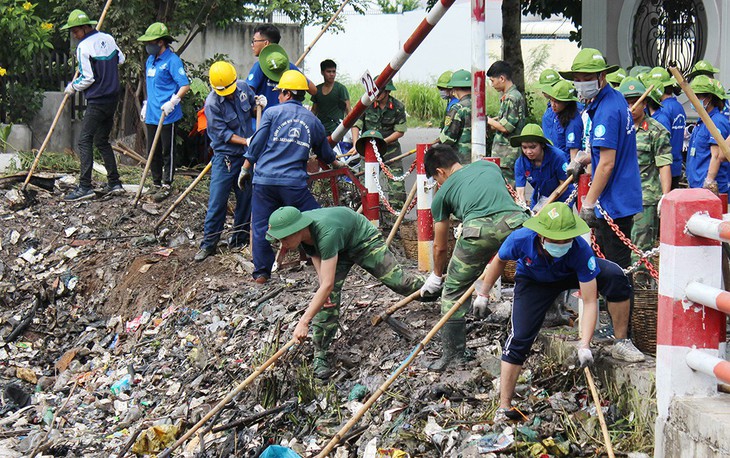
<point x="167" y="84"/>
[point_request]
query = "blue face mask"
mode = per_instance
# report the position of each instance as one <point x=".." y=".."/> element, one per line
<point x="557" y="250"/>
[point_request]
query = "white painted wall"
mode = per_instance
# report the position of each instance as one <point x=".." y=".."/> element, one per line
<point x="369" y="42"/>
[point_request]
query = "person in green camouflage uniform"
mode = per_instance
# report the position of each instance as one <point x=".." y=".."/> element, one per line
<point x="654" y="153"/>
<point x="509" y="121"/>
<point x="335" y="238"/>
<point x="476" y="195"/>
<point x="387" y="115"/>
<point x="457" y="124"/>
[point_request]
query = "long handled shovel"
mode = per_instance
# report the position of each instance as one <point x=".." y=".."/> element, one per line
<point x="229" y="397"/>
<point x="702" y="112"/>
<point x="60" y="110"/>
<point x="407" y="362"/>
<point x="599" y="412"/>
<point x="321" y="32"/>
<point x="151" y="154"/>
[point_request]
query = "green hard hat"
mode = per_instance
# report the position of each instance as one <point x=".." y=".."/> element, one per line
<point x="273" y="61"/>
<point x="154" y="32"/>
<point x="703" y="84"/>
<point x="460" y="78"/>
<point x="286" y="221"/>
<point x="76" y="19"/>
<point x="588" y="60"/>
<point x="557" y="221"/>
<point x="617" y="76"/>
<point x="388" y="87"/>
<point x="444" y="79"/>
<point x="366" y="136"/>
<point x="661" y="74"/>
<point x="530" y="133"/>
<point x="548" y="77"/>
<point x="703" y="67"/>
<point x="563" y="91"/>
<point x="638" y="70"/>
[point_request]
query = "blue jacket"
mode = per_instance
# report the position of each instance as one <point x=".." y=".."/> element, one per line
<point x="280" y="147"/>
<point x="546" y="178"/>
<point x="229" y="116"/>
<point x="699" y="154"/>
<point x="98" y="57"/>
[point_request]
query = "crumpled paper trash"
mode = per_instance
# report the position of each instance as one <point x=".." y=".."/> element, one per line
<point x="156" y="439"/>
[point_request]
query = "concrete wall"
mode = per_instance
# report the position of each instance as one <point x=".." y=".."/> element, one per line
<point x="66" y="130"/>
<point x="697" y="427"/>
<point x="235" y="41"/>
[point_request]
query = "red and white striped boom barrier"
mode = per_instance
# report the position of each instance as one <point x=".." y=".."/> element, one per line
<point x="424" y="190"/>
<point x="690" y="337"/>
<point x="400" y="58"/>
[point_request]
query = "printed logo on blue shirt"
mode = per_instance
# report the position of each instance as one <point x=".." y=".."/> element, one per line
<point x="181" y="71"/>
<point x="565" y="166"/>
<point x="592" y="263"/>
<point x="600" y="131"/>
<point x="294" y="132"/>
<point x="571" y="137"/>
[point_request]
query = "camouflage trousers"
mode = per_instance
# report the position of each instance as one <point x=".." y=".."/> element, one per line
<point x="396" y="189"/>
<point x="645" y="230"/>
<point x="507" y="157"/>
<point x="479" y="242"/>
<point x="375" y="257"/>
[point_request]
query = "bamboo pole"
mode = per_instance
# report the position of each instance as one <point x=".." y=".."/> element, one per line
<point x="599" y="412"/>
<point x="229" y="397"/>
<point x="418" y="348"/>
<point x="60" y="110"/>
<point x="702" y="112"/>
<point x="395" y="307"/>
<point x="402" y="214"/>
<point x="150" y="155"/>
<point x="183" y="195"/>
<point x="321" y="32"/>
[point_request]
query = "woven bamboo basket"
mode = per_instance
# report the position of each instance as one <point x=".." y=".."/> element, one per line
<point x="644" y="318"/>
<point x="408" y="233"/>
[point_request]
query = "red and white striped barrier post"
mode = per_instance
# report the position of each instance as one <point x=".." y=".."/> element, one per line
<point x="709" y="365"/>
<point x="715" y="298"/>
<point x="400" y="58"/>
<point x="479" y="59"/>
<point x="424" y="192"/>
<point x="683" y="325"/>
<point x="371" y="204"/>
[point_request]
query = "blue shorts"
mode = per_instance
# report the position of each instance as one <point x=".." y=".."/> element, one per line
<point x="534" y="298"/>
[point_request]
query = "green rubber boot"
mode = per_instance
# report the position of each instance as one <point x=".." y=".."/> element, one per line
<point x="453" y="344"/>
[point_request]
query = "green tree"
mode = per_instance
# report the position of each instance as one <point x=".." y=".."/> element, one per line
<point x="398" y="6"/>
<point x="570" y="9"/>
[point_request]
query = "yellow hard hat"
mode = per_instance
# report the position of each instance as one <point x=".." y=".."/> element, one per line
<point x="223" y="78"/>
<point x="293" y="80"/>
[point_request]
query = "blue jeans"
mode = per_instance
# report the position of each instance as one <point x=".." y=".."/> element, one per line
<point x="223" y="178"/>
<point x="266" y="199"/>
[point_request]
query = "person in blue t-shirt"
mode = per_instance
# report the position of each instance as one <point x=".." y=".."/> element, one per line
<point x="706" y="165"/>
<point x="616" y="182"/>
<point x="552" y="257"/>
<point x="280" y="149"/>
<point x="540" y="164"/>
<point x="266" y="71"/>
<point x="167" y="84"/>
<point x="565" y="127"/>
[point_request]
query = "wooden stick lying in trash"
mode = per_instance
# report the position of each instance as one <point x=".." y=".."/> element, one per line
<point x="395" y="307"/>
<point x="184" y="194"/>
<point x="60" y="110"/>
<point x="321" y="32"/>
<point x="702" y="112"/>
<point x="229" y="397"/>
<point x="150" y="155"/>
<point x="597" y="402"/>
<point x="374" y="397"/>
<point x="402" y="213"/>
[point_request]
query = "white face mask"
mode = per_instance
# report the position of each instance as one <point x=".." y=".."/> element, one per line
<point x="444" y="93"/>
<point x="587" y="89"/>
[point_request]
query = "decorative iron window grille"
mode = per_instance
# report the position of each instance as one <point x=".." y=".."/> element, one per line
<point x="669" y="32"/>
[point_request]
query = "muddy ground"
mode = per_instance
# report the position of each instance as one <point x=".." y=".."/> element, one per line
<point x="104" y="297"/>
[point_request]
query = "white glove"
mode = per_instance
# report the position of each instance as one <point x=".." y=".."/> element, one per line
<point x="585" y="357"/>
<point x="540" y="203"/>
<point x="432" y="285"/>
<point x="70" y="89"/>
<point x="481" y="306"/>
<point x="170" y="105"/>
<point x="261" y="101"/>
<point x="143" y="111"/>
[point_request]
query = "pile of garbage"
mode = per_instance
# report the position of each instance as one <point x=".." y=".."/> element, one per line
<point x="114" y="343"/>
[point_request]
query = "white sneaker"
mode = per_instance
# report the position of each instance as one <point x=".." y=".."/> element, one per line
<point x="624" y="350"/>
